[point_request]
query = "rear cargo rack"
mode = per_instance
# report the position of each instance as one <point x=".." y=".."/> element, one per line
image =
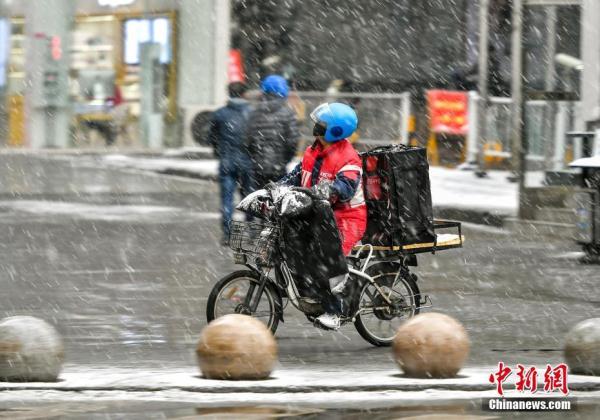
<point x="441" y="242"/>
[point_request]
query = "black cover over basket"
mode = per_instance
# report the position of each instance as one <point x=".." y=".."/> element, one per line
<point x="398" y="196"/>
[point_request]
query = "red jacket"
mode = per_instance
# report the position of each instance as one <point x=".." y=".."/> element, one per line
<point x="341" y="166"/>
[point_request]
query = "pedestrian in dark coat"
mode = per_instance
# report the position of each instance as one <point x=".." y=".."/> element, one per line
<point x="272" y="134"/>
<point x="226" y="135"/>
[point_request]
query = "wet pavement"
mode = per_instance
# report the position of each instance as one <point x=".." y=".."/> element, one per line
<point x="121" y="262"/>
<point x="103" y="410"/>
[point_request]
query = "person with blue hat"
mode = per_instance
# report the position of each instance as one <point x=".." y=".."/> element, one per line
<point x="272" y="133"/>
<point x="332" y="169"/>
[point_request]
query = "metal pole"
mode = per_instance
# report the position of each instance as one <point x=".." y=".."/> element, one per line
<point x="560" y="129"/>
<point x="405" y="118"/>
<point x="551" y="19"/>
<point x="518" y="147"/>
<point x="482" y="85"/>
<point x="4" y="53"/>
<point x="590" y="55"/>
<point x="550" y="130"/>
<point x="472" y="135"/>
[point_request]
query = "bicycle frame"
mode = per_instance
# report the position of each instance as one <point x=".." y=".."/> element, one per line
<point x="287" y="287"/>
<point x="291" y="291"/>
<point x="290" y="286"/>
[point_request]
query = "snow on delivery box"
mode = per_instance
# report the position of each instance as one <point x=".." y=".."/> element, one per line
<point x="398" y="195"/>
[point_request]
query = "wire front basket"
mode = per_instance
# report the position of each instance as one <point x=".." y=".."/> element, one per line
<point x="254" y="239"/>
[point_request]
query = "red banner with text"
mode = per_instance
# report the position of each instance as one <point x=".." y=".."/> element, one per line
<point x="448" y="111"/>
<point x="235" y="70"/>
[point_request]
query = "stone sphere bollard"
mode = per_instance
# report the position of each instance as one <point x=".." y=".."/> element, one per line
<point x="31" y="350"/>
<point x="582" y="347"/>
<point x="236" y="347"/>
<point x="431" y="345"/>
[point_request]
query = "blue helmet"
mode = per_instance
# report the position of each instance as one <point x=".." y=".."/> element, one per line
<point x="275" y="85"/>
<point x="339" y="120"/>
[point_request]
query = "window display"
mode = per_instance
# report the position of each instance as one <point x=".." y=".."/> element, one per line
<point x="137" y="31"/>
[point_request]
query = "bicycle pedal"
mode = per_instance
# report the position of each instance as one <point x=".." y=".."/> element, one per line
<point x="425" y="302"/>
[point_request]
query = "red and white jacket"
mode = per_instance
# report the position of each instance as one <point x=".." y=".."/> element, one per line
<point x="340" y="166"/>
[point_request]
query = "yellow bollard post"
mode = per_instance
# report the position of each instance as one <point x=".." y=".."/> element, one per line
<point x="432" y="149"/>
<point x="16" y="121"/>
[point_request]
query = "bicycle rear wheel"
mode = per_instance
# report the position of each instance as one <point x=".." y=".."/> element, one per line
<point x="378" y="321"/>
<point x="229" y="297"/>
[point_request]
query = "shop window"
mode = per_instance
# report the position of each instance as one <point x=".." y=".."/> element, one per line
<point x="4" y="37"/>
<point x="144" y="30"/>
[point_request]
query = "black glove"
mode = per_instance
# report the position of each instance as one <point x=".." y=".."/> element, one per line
<point x="322" y="190"/>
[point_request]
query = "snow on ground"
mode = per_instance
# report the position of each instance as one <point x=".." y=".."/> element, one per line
<point x="202" y="167"/>
<point x="423" y="401"/>
<point x="377" y="388"/>
<point x="88" y="378"/>
<point x="449" y="187"/>
<point x="129" y="212"/>
<point x="183" y="151"/>
<point x="463" y="190"/>
<point x="589" y="162"/>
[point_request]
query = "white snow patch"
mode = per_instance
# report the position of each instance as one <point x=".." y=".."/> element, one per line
<point x="449" y="187"/>
<point x="96" y="189"/>
<point x="205" y="167"/>
<point x="589" y="162"/>
<point x="201" y="167"/>
<point x="182" y="151"/>
<point x="486" y="228"/>
<point x="463" y="190"/>
<point x="570" y="255"/>
<point x="98" y="211"/>
<point x="286" y="385"/>
<point x="322" y="399"/>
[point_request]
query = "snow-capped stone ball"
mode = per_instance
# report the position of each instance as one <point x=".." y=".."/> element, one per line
<point x="582" y="347"/>
<point x="431" y="345"/>
<point x="31" y="350"/>
<point x="236" y="347"/>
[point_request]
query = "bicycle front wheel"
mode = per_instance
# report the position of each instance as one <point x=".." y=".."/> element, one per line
<point x="230" y="294"/>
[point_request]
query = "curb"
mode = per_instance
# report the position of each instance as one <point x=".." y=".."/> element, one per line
<point x="187" y="174"/>
<point x="483" y="217"/>
<point x="140" y="152"/>
<point x="474" y="216"/>
<point x="291" y="381"/>
<point x="530" y="228"/>
<point x="480" y="217"/>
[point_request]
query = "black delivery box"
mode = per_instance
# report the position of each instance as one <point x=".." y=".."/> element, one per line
<point x="398" y="196"/>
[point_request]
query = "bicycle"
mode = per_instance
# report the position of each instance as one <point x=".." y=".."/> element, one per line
<point x="384" y="293"/>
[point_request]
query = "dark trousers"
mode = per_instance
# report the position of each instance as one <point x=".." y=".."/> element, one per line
<point x="313" y="252"/>
<point x="229" y="177"/>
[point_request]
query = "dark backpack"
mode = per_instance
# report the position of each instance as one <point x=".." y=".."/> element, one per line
<point x="398" y="196"/>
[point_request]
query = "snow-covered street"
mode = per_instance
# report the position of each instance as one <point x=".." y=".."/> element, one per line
<point x="451" y="188"/>
<point x="259" y="209"/>
<point x="121" y="262"/>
